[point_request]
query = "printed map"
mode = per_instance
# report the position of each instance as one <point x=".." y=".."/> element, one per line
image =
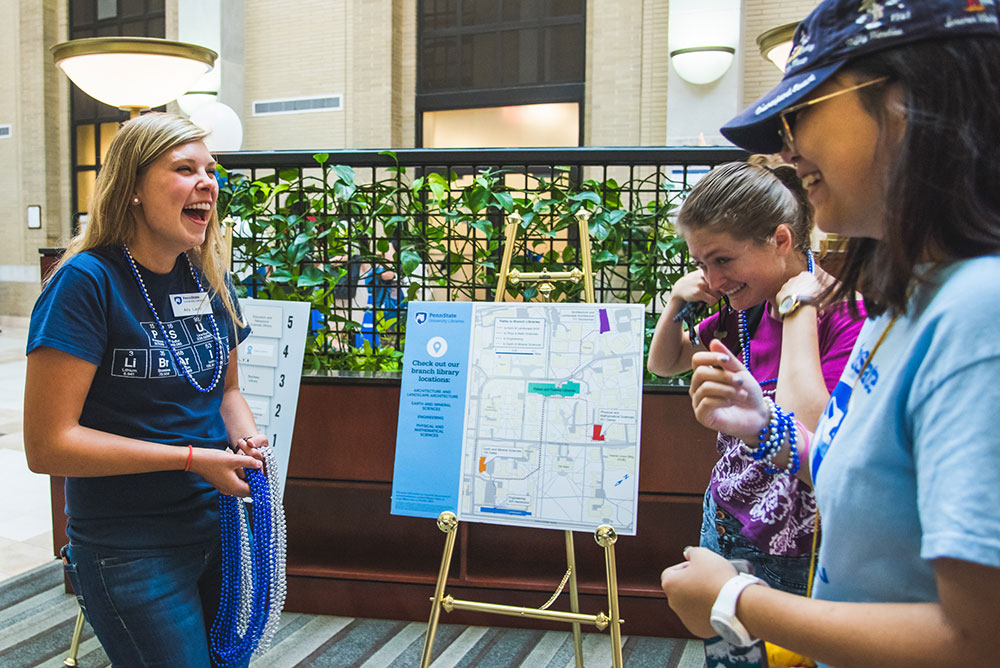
<point x="552" y="416"/>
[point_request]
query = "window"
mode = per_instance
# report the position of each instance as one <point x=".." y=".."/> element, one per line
<point x="95" y="123"/>
<point x="553" y="124"/>
<point x="513" y="60"/>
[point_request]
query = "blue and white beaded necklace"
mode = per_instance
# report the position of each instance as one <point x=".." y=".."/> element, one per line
<point x="253" y="572"/>
<point x="745" y="333"/>
<point x="181" y="362"/>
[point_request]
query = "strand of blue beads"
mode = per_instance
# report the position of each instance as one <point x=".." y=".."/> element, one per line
<point x="228" y="646"/>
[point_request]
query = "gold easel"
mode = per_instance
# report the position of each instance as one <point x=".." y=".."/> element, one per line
<point x="604" y="534"/>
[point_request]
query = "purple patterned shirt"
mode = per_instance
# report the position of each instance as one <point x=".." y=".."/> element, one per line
<point x="777" y="511"/>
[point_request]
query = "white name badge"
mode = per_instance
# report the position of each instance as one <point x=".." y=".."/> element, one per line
<point x="191" y="303"/>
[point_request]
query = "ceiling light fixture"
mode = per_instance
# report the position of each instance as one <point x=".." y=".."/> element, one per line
<point x="133" y="73"/>
<point x="775" y="44"/>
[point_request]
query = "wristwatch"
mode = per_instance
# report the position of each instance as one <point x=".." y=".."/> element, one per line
<point x="723" y="616"/>
<point x="789" y="304"/>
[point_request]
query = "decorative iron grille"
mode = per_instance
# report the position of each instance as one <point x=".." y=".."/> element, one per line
<point x="359" y="234"/>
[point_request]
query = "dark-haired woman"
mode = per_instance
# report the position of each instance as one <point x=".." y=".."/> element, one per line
<point x="747" y="225"/>
<point x="893" y="123"/>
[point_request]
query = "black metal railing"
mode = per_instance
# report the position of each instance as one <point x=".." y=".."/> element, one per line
<point x="359" y="233"/>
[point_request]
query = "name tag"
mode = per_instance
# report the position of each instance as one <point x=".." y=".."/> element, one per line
<point x="191" y="303"/>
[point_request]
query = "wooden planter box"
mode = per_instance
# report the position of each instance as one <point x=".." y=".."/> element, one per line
<point x="348" y="556"/>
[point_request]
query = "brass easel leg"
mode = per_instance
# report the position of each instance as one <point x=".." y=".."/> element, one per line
<point x="583" y="220"/>
<point x="606" y="537"/>
<point x="74" y="645"/>
<point x="448" y="523"/>
<point x="510" y="234"/>
<point x="574" y="598"/>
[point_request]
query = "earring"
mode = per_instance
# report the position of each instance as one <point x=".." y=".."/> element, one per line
<point x="135" y="200"/>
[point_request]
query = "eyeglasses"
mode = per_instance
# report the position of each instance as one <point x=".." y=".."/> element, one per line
<point x="788" y="115"/>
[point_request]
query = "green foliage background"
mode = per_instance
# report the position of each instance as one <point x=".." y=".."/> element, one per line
<point x="294" y="231"/>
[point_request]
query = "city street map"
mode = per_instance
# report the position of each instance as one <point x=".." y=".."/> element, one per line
<point x="552" y="416"/>
<point x="548" y="404"/>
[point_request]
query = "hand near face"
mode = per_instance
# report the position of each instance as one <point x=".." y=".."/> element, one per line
<point x="694" y="287"/>
<point x="725" y="396"/>
<point x="693" y="585"/>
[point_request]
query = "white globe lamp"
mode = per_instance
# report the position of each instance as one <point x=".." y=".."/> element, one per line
<point x="225" y="131"/>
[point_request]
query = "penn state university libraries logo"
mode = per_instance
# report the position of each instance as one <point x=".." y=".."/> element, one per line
<point x="420" y="317"/>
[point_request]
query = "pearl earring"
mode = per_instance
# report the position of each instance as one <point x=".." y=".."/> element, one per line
<point x="135" y="200"/>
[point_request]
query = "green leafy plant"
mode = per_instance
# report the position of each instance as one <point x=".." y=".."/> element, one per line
<point x="440" y="235"/>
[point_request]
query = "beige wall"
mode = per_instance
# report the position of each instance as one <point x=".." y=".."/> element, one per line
<point x="34" y="167"/>
<point x="359" y="49"/>
<point x="628" y="64"/>
<point x="404" y="70"/>
<point x="625" y="102"/>
<point x="10" y="154"/>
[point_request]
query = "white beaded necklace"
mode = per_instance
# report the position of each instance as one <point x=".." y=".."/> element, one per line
<point x="181" y="362"/>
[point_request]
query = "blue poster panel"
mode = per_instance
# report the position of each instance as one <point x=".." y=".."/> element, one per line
<point x="431" y="409"/>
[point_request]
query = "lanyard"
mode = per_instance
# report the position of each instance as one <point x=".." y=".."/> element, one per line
<point x="885" y="333"/>
<point x="822" y="448"/>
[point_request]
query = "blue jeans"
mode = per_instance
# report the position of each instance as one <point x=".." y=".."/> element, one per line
<point x="723" y="534"/>
<point x="148" y="607"/>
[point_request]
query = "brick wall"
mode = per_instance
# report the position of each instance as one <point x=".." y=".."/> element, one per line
<point x="362" y="50"/>
<point x="34" y="163"/>
<point x="295" y="54"/>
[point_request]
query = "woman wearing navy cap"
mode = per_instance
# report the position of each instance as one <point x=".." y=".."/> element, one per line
<point x="890" y="113"/>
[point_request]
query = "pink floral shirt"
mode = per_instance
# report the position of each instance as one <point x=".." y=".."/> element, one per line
<point x="777" y="511"/>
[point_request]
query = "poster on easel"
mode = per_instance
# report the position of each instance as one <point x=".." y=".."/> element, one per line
<point x="270" y="365"/>
<point x="524" y="414"/>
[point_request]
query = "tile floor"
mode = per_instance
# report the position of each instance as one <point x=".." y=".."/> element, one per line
<point x="26" y="517"/>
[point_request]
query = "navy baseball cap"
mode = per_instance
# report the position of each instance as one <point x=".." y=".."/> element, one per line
<point x="839" y="31"/>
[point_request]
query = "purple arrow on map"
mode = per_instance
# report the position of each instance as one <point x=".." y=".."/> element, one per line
<point x="605" y="324"/>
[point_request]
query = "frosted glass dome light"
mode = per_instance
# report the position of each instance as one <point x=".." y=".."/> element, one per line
<point x="702" y="64"/>
<point x="775" y="44"/>
<point x="133" y="73"/>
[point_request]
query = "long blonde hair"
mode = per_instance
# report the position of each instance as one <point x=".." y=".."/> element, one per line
<point x="137" y="145"/>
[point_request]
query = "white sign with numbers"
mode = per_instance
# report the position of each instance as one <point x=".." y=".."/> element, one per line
<point x="271" y="368"/>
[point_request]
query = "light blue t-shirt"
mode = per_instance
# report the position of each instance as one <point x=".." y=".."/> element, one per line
<point x="913" y="473"/>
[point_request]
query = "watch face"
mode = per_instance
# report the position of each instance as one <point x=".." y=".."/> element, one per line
<point x="787" y="305"/>
<point x="727" y="632"/>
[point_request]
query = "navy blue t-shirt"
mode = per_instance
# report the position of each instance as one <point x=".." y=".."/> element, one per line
<point x="93" y="309"/>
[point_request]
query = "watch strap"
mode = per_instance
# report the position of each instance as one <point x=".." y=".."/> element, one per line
<point x="723" y="616"/>
<point x="796" y="302"/>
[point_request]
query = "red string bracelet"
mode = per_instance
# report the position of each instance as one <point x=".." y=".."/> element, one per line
<point x="187" y="467"/>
